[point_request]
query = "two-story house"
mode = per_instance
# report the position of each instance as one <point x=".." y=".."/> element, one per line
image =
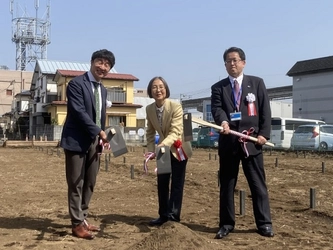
<point x="44" y="90"/>
<point x="120" y="91"/>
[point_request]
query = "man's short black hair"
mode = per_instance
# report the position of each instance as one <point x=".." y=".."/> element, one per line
<point x="234" y="49"/>
<point x="104" y="54"/>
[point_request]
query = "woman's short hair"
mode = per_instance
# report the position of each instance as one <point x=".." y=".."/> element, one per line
<point x="150" y="84"/>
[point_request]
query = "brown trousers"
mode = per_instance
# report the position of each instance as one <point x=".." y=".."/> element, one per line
<point x="81" y="173"/>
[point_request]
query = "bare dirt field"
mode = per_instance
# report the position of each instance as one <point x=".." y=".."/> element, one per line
<point x="34" y="213"/>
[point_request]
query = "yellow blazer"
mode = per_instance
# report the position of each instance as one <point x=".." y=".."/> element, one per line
<point x="172" y="127"/>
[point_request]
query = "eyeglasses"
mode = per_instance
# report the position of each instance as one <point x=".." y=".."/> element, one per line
<point x="234" y="61"/>
<point x="102" y="62"/>
<point x="156" y="88"/>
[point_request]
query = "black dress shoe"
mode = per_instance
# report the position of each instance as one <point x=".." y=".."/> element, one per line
<point x="173" y="218"/>
<point x="224" y="231"/>
<point x="158" y="222"/>
<point x="266" y="231"/>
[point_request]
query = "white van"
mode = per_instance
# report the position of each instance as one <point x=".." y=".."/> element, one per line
<point x="283" y="129"/>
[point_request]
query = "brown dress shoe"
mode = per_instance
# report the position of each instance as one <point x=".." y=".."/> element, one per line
<point x="91" y="227"/>
<point x="80" y="231"/>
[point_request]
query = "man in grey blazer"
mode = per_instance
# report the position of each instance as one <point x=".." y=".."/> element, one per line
<point x="240" y="102"/>
<point x="83" y="129"/>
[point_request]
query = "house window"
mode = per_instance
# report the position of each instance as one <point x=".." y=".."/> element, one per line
<point x="117" y="120"/>
<point x="9" y="92"/>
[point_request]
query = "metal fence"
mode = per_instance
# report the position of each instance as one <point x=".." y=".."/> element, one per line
<point x="132" y="135"/>
<point x="137" y="136"/>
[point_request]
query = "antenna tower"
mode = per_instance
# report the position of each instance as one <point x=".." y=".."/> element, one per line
<point x="30" y="34"/>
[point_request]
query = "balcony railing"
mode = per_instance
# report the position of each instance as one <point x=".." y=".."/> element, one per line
<point x="116" y="95"/>
<point x="51" y="98"/>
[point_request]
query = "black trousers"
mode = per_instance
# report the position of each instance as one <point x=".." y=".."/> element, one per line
<point x="253" y="168"/>
<point x="81" y="173"/>
<point x="170" y="200"/>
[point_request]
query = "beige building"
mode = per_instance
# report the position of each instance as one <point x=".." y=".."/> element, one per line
<point x="12" y="82"/>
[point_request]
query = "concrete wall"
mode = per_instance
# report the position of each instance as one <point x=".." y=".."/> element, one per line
<point x="312" y="96"/>
<point x="282" y="108"/>
<point x="51" y="132"/>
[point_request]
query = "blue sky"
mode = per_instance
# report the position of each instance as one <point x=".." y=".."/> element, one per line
<point x="183" y="40"/>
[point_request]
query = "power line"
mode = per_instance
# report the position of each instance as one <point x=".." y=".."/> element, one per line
<point x="2" y="90"/>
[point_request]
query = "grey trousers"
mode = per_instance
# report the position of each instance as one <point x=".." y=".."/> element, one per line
<point x="81" y="173"/>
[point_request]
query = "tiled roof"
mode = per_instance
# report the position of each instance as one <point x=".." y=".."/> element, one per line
<point x="50" y="66"/>
<point x="323" y="64"/>
<point x="132" y="105"/>
<point x="113" y="76"/>
<point x="59" y="102"/>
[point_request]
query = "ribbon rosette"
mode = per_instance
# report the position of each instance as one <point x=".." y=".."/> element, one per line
<point x="251" y="108"/>
<point x="180" y="151"/>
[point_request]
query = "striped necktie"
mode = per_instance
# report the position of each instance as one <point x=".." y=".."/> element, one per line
<point x="236" y="93"/>
<point x="97" y="104"/>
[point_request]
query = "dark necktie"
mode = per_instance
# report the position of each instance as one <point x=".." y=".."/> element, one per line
<point x="236" y="93"/>
<point x="98" y="111"/>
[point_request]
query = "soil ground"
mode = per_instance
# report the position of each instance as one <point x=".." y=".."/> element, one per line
<point x="34" y="212"/>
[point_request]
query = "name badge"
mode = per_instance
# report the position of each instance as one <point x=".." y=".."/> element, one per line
<point x="237" y="116"/>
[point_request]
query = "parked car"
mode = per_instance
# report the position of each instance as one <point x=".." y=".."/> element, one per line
<point x="195" y="132"/>
<point x="313" y="137"/>
<point x="208" y="137"/>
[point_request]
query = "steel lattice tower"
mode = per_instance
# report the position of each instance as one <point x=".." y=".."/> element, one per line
<point x="31" y="35"/>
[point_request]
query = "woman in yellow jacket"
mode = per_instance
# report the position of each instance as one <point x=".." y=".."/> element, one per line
<point x="166" y="118"/>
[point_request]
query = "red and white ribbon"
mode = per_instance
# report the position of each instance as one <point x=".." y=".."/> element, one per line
<point x="243" y="140"/>
<point x="148" y="156"/>
<point x="102" y="144"/>
<point x="251" y="109"/>
<point x="181" y="155"/>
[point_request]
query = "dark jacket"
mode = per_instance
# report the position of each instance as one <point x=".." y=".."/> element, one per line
<point x="80" y="127"/>
<point x="223" y="103"/>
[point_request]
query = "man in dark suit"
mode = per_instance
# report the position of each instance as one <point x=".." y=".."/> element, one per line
<point x="240" y="102"/>
<point x="83" y="130"/>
